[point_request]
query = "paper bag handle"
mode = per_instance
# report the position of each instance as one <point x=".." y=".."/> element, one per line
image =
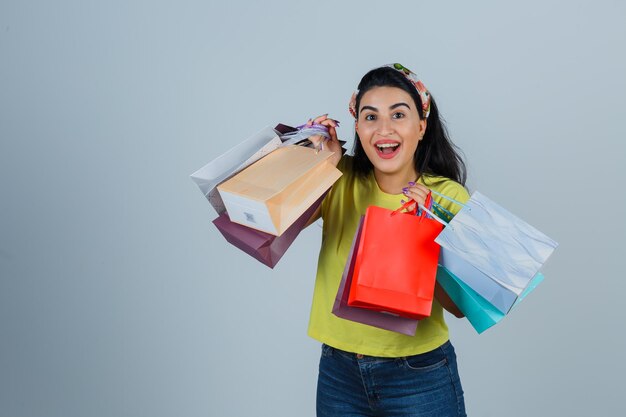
<point x="414" y="210"/>
<point x="448" y="198"/>
<point x="446" y="224"/>
<point x="425" y="210"/>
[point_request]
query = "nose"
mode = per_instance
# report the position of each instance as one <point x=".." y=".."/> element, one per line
<point x="385" y="126"/>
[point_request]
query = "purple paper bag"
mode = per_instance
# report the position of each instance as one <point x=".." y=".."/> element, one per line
<point x="266" y="248"/>
<point x="374" y="318"/>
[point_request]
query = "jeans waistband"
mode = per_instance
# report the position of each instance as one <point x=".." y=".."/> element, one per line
<point x="445" y="346"/>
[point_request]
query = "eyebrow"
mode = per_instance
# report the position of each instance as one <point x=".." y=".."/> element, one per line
<point x="394" y="106"/>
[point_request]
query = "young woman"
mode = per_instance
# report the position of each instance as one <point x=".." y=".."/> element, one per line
<point x="401" y="151"/>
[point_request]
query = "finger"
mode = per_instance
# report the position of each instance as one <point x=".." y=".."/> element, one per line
<point x="416" y="194"/>
<point x="333" y="134"/>
<point x="329" y="122"/>
<point x="320" y="119"/>
<point x="316" y="140"/>
<point x="410" y="206"/>
<point x="418" y="191"/>
<point x="419" y="186"/>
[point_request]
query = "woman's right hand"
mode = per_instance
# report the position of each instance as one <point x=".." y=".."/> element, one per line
<point x="331" y="144"/>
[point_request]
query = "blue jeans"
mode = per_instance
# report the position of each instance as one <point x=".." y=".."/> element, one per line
<point x="425" y="385"/>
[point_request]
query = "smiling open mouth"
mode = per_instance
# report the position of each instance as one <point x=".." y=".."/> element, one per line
<point x="387" y="148"/>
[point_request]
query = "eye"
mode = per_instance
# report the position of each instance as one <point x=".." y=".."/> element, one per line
<point x="370" y="117"/>
<point x="398" y="115"/>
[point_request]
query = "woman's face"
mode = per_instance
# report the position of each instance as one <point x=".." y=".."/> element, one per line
<point x="390" y="128"/>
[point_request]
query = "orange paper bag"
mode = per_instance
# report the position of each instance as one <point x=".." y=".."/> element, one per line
<point x="271" y="194"/>
<point x="396" y="263"/>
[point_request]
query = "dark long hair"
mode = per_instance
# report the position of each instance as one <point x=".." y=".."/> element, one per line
<point x="435" y="153"/>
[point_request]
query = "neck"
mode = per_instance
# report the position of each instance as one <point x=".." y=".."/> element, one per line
<point x="393" y="183"/>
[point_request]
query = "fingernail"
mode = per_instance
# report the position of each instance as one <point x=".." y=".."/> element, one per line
<point x="411" y="183"/>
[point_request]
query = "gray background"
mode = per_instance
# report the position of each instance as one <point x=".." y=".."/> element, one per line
<point x="119" y="298"/>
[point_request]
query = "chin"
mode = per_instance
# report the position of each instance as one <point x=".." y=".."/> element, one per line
<point x="388" y="167"/>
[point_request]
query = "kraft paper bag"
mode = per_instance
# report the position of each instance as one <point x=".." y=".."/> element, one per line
<point x="267" y="249"/>
<point x="374" y="318"/>
<point x="481" y="314"/>
<point x="271" y="194"/>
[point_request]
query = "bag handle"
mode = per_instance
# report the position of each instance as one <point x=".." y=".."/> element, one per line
<point x="441" y="208"/>
<point x="445" y="197"/>
<point x="407" y="205"/>
<point x="428" y="202"/>
<point x="304" y="132"/>
<point x="426" y="210"/>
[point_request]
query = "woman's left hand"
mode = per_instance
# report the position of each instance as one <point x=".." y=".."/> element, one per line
<point x="416" y="192"/>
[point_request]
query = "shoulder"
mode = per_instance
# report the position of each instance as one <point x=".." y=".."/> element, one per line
<point x="350" y="177"/>
<point x="346" y="164"/>
<point x="341" y="187"/>
<point x="448" y="188"/>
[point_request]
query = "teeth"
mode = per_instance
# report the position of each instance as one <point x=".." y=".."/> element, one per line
<point x="388" y="145"/>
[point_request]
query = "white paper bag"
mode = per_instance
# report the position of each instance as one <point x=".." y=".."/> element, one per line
<point x="499" y="296"/>
<point x="233" y="161"/>
<point x="498" y="244"/>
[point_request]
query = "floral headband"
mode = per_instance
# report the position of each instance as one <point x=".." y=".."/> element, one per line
<point x="410" y="75"/>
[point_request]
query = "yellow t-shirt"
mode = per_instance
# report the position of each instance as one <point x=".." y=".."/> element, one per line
<point x="341" y="210"/>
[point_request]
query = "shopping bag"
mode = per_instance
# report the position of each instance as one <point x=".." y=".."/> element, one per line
<point x="483" y="242"/>
<point x="266" y="248"/>
<point x="272" y="193"/>
<point x="480" y="312"/>
<point x="382" y="320"/>
<point x="226" y="165"/>
<point x="396" y="263"/>
<point x="491" y="290"/>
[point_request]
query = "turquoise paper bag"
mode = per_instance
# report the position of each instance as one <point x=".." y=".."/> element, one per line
<point x="480" y="313"/>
